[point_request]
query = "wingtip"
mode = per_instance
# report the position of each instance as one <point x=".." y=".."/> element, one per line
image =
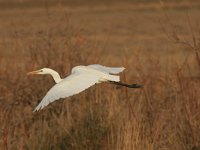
<point x="37" y="108"/>
<point x="40" y="106"/>
<point x="122" y="69"/>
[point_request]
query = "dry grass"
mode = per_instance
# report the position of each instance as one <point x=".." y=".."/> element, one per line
<point x="163" y="55"/>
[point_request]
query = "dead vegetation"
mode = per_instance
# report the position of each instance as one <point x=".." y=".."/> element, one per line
<point x="162" y="115"/>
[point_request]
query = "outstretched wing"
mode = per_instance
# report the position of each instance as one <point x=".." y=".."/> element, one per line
<point x="73" y="84"/>
<point x="109" y="70"/>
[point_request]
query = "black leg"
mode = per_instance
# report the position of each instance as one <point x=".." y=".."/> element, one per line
<point x="127" y="85"/>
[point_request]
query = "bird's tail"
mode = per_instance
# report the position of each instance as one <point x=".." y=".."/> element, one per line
<point x="111" y="78"/>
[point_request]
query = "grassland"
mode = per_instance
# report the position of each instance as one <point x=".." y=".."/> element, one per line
<point x="158" y="43"/>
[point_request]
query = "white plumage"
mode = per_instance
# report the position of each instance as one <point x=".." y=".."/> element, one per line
<point x="81" y="78"/>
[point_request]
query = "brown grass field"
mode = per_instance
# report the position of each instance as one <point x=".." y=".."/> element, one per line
<point x="157" y="42"/>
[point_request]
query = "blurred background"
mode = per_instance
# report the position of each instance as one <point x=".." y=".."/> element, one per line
<point x="158" y="42"/>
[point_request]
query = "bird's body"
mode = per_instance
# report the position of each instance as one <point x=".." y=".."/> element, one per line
<point x="81" y="78"/>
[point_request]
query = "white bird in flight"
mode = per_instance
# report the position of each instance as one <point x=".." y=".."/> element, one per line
<point x="81" y="78"/>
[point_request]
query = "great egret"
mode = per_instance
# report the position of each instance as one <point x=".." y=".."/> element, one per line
<point x="81" y="78"/>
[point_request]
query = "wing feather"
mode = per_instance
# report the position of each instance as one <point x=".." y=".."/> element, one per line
<point x="112" y="70"/>
<point x="73" y="84"/>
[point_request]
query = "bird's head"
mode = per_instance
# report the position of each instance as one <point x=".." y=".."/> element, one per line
<point x="41" y="71"/>
<point x="49" y="71"/>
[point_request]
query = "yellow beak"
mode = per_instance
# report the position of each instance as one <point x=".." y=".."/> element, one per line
<point x="33" y="72"/>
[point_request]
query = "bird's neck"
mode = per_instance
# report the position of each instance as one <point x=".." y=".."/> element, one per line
<point x="56" y="77"/>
